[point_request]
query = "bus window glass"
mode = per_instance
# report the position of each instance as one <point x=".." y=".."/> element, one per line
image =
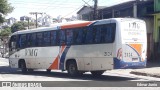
<point x="89" y="36"/>
<point x="22" y="41"/>
<point x="39" y="39"/>
<point x="54" y="38"/>
<point x="107" y="33"/>
<point x="108" y="38"/>
<point x="46" y="38"/>
<point x="110" y="34"/>
<point x="62" y="37"/>
<point x="28" y="37"/>
<point x="33" y="39"/>
<point x="103" y="33"/>
<point x="97" y="36"/>
<point x="69" y="35"/>
<point x="12" y="43"/>
<point x="78" y="36"/>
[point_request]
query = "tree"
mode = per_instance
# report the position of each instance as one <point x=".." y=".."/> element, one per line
<point x="4" y="37"/>
<point x="18" y="26"/>
<point x="5" y="32"/>
<point x="5" y="8"/>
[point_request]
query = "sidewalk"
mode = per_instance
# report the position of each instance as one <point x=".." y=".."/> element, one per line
<point x="4" y="62"/>
<point x="152" y="70"/>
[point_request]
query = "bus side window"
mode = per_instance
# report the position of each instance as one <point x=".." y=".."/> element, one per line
<point x="22" y="41"/>
<point x="103" y="33"/>
<point x="97" y="36"/>
<point x="62" y="37"/>
<point x="110" y="33"/>
<point x="78" y="36"/>
<point x="89" y="36"/>
<point x="28" y="40"/>
<point x="69" y="35"/>
<point x="113" y="33"/>
<point x="33" y="39"/>
<point x="107" y="33"/>
<point x="39" y="39"/>
<point x="54" y="38"/>
<point x="47" y="38"/>
<point x="12" y="43"/>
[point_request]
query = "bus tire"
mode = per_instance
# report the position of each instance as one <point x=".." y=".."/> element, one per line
<point x="97" y="73"/>
<point x="30" y="70"/>
<point x="72" y="68"/>
<point x="48" y="70"/>
<point x="23" y="66"/>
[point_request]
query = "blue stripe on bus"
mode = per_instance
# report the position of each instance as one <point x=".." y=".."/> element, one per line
<point x="120" y="64"/>
<point x="62" y="58"/>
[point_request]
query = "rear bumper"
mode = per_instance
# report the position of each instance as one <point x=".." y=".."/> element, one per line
<point x="120" y="64"/>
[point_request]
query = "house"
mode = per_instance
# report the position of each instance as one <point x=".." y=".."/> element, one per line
<point x="141" y="9"/>
<point x="156" y="34"/>
<point x="45" y="20"/>
<point x="86" y="12"/>
<point x="11" y="21"/>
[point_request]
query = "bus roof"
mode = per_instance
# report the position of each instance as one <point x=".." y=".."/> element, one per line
<point x="72" y="24"/>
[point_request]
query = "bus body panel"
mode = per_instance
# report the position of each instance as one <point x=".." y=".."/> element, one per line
<point x="93" y="57"/>
<point x="89" y="57"/>
<point x="131" y="53"/>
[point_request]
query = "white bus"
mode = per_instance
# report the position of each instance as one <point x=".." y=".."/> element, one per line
<point x="82" y="46"/>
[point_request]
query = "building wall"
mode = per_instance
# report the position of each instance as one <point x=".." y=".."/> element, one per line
<point x="156" y="27"/>
<point x="157" y="36"/>
<point x="150" y="46"/>
<point x="85" y="13"/>
<point x="156" y="30"/>
<point x="156" y="5"/>
<point x="143" y="11"/>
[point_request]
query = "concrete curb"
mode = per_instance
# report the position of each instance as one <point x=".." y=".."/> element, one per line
<point x="145" y="74"/>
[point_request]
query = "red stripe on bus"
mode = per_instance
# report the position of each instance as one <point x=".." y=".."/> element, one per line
<point x="75" y="25"/>
<point x="55" y="63"/>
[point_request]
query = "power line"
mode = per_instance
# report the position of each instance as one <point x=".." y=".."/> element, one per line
<point x="23" y="2"/>
<point x="36" y="14"/>
<point x="86" y="2"/>
<point x="54" y="6"/>
<point x="75" y="9"/>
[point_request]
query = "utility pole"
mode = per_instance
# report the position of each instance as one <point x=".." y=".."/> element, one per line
<point x="28" y="22"/>
<point x="95" y="13"/>
<point x="135" y="9"/>
<point x="36" y="14"/>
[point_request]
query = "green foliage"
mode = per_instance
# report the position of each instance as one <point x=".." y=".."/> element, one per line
<point x="18" y="26"/>
<point x="5" y="32"/>
<point x="5" y="8"/>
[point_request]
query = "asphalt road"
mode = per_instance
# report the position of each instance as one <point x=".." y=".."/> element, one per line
<point x="112" y="78"/>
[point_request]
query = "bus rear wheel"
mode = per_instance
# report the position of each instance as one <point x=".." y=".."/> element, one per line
<point x="72" y="68"/>
<point x="23" y="67"/>
<point x="48" y="70"/>
<point x="97" y="73"/>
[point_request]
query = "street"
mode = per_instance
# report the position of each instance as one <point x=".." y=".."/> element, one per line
<point x="114" y="76"/>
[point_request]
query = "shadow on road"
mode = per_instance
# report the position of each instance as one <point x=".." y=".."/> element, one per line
<point x="8" y="70"/>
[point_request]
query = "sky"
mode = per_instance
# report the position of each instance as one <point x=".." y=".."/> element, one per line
<point x="54" y="8"/>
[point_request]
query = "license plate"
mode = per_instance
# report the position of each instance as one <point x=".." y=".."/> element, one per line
<point x="134" y="59"/>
